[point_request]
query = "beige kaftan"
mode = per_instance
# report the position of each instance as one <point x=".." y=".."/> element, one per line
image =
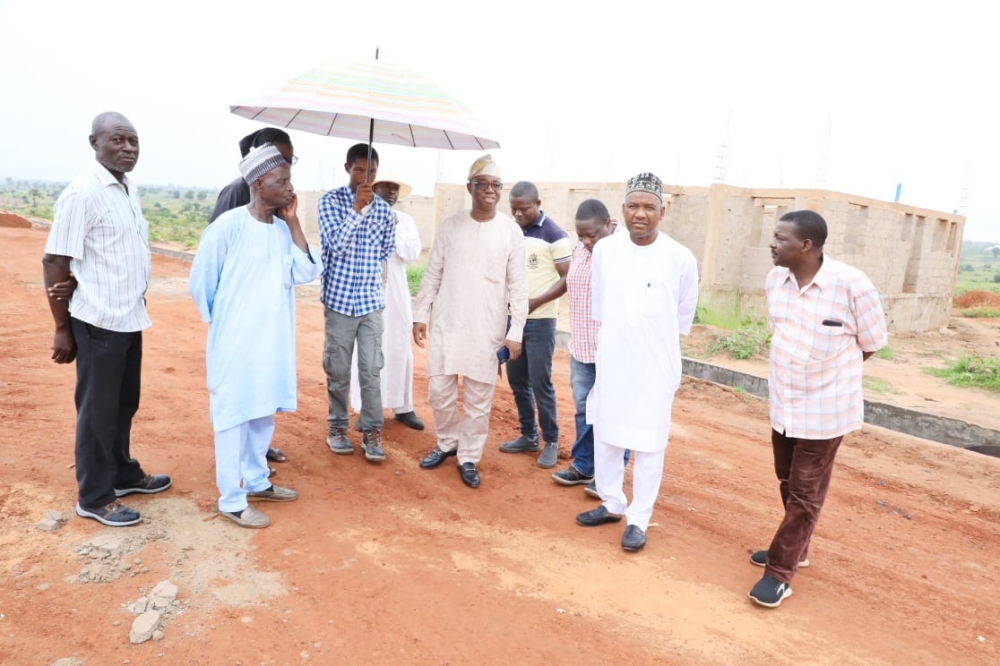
<point x="474" y="270"/>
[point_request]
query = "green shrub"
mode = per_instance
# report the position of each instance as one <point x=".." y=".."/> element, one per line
<point x="752" y="338"/>
<point x="414" y="274"/>
<point x="982" y="372"/>
<point x="982" y="312"/>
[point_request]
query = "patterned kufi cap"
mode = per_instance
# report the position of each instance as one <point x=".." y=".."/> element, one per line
<point x="259" y="161"/>
<point x="645" y="182"/>
<point x="484" y="166"/>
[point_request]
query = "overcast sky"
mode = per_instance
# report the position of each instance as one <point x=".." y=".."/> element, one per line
<point x="574" y="91"/>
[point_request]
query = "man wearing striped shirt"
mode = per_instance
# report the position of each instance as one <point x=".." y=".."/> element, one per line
<point x="357" y="233"/>
<point x="826" y="319"/>
<point x="100" y="237"/>
<point x="547" y="254"/>
<point x="593" y="222"/>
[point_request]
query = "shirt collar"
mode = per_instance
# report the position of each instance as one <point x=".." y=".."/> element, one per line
<point x="540" y="220"/>
<point x="820" y="280"/>
<point x="105" y="177"/>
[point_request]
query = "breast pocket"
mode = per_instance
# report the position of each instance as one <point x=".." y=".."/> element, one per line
<point x="829" y="337"/>
<point x="656" y="299"/>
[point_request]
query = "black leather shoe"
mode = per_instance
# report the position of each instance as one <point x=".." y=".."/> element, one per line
<point x="470" y="475"/>
<point x="435" y="458"/>
<point x="597" y="516"/>
<point x="410" y="420"/>
<point x="634" y="539"/>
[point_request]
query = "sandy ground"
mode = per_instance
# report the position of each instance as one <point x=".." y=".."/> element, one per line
<point x="391" y="564"/>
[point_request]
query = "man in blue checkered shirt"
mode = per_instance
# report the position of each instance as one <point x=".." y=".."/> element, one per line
<point x="357" y="235"/>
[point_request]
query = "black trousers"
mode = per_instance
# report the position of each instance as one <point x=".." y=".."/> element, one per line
<point x="108" y="375"/>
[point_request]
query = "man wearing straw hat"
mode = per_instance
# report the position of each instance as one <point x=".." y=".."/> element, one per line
<point x="242" y="280"/>
<point x="397" y="373"/>
<point x="476" y="267"/>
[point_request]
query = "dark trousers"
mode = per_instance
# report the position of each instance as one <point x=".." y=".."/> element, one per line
<point x="108" y="374"/>
<point x="803" y="468"/>
<point x="530" y="379"/>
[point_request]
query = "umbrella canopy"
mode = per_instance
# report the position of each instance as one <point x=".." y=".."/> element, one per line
<point x="342" y="98"/>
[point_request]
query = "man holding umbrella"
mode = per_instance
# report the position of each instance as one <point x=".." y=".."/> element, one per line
<point x="357" y="235"/>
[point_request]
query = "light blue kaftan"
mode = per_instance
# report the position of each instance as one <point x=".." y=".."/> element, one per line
<point x="243" y="281"/>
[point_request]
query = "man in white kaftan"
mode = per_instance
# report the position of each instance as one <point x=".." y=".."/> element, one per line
<point x="645" y="289"/>
<point x="397" y="353"/>
<point x="476" y="267"/>
<point x="242" y="280"/>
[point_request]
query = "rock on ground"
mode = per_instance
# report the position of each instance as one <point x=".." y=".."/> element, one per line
<point x="144" y="626"/>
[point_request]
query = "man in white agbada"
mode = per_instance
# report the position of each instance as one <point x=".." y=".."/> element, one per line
<point x="476" y="267"/>
<point x="397" y="369"/>
<point x="645" y="289"/>
<point x="242" y="280"/>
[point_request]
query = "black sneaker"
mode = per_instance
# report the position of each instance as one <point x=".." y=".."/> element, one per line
<point x="372" y="446"/>
<point x="520" y="445"/>
<point x="760" y="559"/>
<point x="151" y="483"/>
<point x="770" y="592"/>
<point x="115" y="514"/>
<point x="571" y="477"/>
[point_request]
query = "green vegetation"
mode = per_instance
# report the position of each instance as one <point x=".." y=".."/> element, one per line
<point x="978" y="269"/>
<point x="414" y="274"/>
<point x="175" y="214"/>
<point x="982" y="312"/>
<point x="751" y="338"/>
<point x="982" y="372"/>
<point x="885" y="353"/>
<point x="726" y="313"/>
<point x="878" y="385"/>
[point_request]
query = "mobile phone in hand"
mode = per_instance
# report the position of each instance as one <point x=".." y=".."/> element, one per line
<point x="503" y="354"/>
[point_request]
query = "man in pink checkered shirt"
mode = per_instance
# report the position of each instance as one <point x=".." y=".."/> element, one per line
<point x="826" y="320"/>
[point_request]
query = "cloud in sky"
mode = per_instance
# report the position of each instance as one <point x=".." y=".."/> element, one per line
<point x="580" y="92"/>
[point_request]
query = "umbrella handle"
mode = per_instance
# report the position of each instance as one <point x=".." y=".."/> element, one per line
<point x="371" y="137"/>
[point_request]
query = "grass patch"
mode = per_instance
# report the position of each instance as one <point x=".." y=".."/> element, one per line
<point x="885" y="353"/>
<point x="977" y="371"/>
<point x="878" y="386"/>
<point x="983" y="312"/>
<point x="414" y="275"/>
<point x="750" y="339"/>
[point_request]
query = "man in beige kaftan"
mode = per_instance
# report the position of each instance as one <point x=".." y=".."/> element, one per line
<point x="476" y="267"/>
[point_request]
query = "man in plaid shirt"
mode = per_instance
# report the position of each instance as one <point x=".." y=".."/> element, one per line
<point x="826" y="319"/>
<point x="593" y="222"/>
<point x="357" y="236"/>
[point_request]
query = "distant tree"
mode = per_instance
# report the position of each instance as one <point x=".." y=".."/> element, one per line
<point x="176" y="194"/>
<point x="202" y="195"/>
<point x="34" y="193"/>
<point x="189" y="195"/>
<point x="996" y="251"/>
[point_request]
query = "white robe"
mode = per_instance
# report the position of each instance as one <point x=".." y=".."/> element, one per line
<point x="242" y="280"/>
<point x="397" y="320"/>
<point x="645" y="298"/>
<point x="474" y="270"/>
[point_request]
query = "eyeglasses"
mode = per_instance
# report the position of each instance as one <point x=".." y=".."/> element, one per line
<point x="293" y="159"/>
<point x="487" y="184"/>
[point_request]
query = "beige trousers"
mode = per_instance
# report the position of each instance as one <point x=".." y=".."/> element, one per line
<point x="465" y="433"/>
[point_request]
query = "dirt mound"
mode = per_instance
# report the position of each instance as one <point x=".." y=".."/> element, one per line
<point x="14" y="221"/>
<point x="977" y="299"/>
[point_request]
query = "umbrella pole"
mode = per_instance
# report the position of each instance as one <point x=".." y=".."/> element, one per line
<point x="371" y="139"/>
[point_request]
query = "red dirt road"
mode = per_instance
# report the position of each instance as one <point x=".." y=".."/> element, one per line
<point x="391" y="564"/>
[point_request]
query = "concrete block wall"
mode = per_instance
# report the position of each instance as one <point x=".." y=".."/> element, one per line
<point x="911" y="254"/>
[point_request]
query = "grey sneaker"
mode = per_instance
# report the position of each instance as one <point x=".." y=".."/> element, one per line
<point x="372" y="446"/>
<point x="520" y="445"/>
<point x="273" y="494"/>
<point x="550" y="454"/>
<point x="250" y="517"/>
<point x="591" y="490"/>
<point x="337" y="441"/>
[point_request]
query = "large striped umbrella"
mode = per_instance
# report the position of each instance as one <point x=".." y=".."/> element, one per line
<point x="369" y="100"/>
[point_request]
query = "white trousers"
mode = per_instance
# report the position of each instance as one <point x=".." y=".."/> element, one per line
<point x="389" y="373"/>
<point x="465" y="433"/>
<point x="241" y="456"/>
<point x="647" y="472"/>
